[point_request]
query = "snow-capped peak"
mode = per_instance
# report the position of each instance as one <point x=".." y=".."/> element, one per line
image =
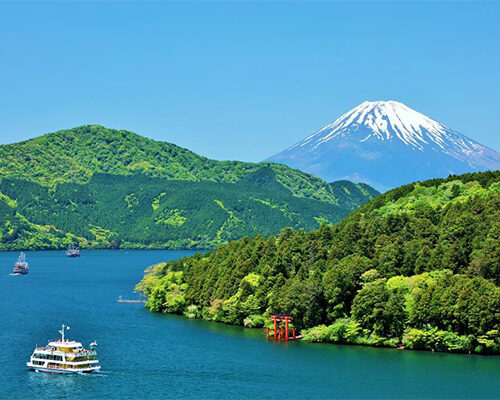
<point x="387" y="144"/>
<point x="392" y="121"/>
<point x="386" y="118"/>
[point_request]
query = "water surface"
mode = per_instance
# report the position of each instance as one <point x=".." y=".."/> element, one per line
<point x="145" y="355"/>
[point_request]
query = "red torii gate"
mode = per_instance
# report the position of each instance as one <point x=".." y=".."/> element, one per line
<point x="281" y="333"/>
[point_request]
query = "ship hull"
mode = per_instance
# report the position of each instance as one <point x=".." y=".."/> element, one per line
<point x="62" y="371"/>
<point x="23" y="272"/>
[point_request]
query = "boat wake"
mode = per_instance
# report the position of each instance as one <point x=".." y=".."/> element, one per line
<point x="99" y="372"/>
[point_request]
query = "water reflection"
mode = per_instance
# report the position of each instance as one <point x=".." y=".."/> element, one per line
<point x="217" y="328"/>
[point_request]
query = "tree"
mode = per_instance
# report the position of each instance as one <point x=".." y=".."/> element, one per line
<point x="369" y="305"/>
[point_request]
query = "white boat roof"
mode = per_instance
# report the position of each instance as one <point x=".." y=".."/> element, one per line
<point x="66" y="343"/>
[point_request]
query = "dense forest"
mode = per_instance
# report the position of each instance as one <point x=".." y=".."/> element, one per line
<point x="103" y="188"/>
<point x="138" y="211"/>
<point x="418" y="266"/>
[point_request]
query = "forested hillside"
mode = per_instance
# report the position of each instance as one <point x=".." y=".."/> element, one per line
<point x="418" y="266"/>
<point x="98" y="187"/>
<point x="75" y="155"/>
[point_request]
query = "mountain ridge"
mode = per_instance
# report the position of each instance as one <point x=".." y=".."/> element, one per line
<point x="74" y="155"/>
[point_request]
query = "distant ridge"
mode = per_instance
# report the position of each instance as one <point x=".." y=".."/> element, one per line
<point x="74" y="155"/>
<point x="99" y="187"/>
<point x="386" y="144"/>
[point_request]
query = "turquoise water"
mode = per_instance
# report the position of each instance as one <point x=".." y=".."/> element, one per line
<point x="146" y="355"/>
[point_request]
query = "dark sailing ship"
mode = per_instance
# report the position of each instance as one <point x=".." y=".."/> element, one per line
<point x="73" y="251"/>
<point x="21" y="266"/>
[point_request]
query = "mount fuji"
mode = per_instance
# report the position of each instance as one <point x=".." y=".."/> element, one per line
<point x="387" y="144"/>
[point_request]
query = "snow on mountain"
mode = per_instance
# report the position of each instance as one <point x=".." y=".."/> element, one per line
<point x="386" y="144"/>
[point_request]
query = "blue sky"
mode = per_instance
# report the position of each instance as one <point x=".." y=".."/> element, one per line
<point x="235" y="80"/>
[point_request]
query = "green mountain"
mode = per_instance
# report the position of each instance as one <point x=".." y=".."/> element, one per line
<point x="418" y="266"/>
<point x="106" y="188"/>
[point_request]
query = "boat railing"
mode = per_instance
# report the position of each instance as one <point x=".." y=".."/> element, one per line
<point x="83" y="354"/>
<point x="79" y="354"/>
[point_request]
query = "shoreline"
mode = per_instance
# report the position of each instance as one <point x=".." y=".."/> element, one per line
<point x="204" y="249"/>
<point x="300" y="338"/>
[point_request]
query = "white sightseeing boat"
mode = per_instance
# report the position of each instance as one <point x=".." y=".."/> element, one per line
<point x="63" y="356"/>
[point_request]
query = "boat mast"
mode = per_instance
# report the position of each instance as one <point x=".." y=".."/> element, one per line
<point x="62" y="332"/>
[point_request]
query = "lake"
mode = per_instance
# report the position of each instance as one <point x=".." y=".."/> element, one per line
<point x="145" y="355"/>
